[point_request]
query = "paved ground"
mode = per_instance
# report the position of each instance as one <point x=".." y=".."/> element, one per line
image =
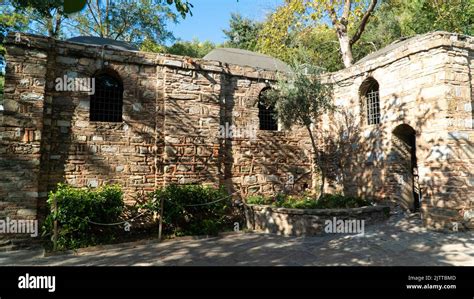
<point x="399" y="241"/>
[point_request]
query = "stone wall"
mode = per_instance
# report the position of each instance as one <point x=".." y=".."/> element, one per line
<point x="310" y="222"/>
<point x="425" y="83"/>
<point x="173" y="111"/>
<point x="22" y="122"/>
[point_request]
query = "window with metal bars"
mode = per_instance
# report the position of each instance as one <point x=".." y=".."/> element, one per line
<point x="372" y="102"/>
<point x="266" y="114"/>
<point x="107" y="101"/>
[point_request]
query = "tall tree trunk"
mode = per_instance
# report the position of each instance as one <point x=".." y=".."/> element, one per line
<point x="345" y="44"/>
<point x="57" y="27"/>
<point x="316" y="162"/>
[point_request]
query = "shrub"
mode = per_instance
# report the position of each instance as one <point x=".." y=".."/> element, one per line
<point x="328" y="201"/>
<point x="76" y="207"/>
<point x="258" y="200"/>
<point x="337" y="201"/>
<point x="192" y="209"/>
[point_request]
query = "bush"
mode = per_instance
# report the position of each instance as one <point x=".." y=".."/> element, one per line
<point x="338" y="201"/>
<point x="186" y="210"/>
<point x="76" y="207"/>
<point x="258" y="200"/>
<point x="328" y="201"/>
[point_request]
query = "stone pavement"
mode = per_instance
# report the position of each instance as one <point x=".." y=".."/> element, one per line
<point x="401" y="241"/>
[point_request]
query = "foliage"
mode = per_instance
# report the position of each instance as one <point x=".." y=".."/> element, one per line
<point x="304" y="26"/>
<point x="182" y="6"/>
<point x="43" y="16"/>
<point x="130" y="21"/>
<point x="347" y="19"/>
<point x="428" y="15"/>
<point x="328" y="201"/>
<point x="243" y="33"/>
<point x="301" y="99"/>
<point x="192" y="209"/>
<point x="318" y="46"/>
<point x="277" y="34"/>
<point x="9" y="21"/>
<point x="193" y="48"/>
<point x="76" y="207"/>
<point x="149" y="45"/>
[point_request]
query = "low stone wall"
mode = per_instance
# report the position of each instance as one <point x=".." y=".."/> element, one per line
<point x="307" y="222"/>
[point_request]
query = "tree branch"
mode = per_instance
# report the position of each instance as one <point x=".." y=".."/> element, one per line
<point x="346" y="11"/>
<point x="95" y="19"/>
<point x="363" y="22"/>
<point x="332" y="13"/>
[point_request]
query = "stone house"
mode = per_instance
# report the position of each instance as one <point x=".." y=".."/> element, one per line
<point x="405" y="127"/>
<point x="403" y="131"/>
<point x="153" y="120"/>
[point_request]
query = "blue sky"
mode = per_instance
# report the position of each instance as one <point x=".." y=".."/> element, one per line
<point x="211" y="16"/>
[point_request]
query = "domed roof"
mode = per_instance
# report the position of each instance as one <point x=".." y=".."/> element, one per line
<point x="102" y="41"/>
<point x="247" y="58"/>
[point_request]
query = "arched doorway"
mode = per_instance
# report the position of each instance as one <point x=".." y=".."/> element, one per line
<point x="404" y="167"/>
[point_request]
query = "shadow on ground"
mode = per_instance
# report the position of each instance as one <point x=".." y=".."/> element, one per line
<point x="401" y="241"/>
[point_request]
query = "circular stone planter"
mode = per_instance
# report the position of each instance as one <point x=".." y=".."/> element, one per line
<point x="309" y="222"/>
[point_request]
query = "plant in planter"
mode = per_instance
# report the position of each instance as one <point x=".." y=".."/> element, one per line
<point x="327" y="201"/>
<point x="301" y="99"/>
<point x="192" y="209"/>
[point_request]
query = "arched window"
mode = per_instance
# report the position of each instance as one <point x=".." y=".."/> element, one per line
<point x="107" y="100"/>
<point x="370" y="99"/>
<point x="266" y="113"/>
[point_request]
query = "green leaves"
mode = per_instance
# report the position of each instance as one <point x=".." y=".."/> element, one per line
<point x="194" y="48"/>
<point x="422" y="16"/>
<point x="192" y="209"/>
<point x="76" y="207"/>
<point x="183" y="7"/>
<point x="300" y="98"/>
<point x="243" y="33"/>
<point x="72" y="6"/>
<point x="327" y="201"/>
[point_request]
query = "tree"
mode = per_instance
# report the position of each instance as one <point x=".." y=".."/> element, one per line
<point x="242" y="33"/>
<point x="301" y="99"/>
<point x="345" y="17"/>
<point x="195" y="48"/>
<point x="182" y="6"/>
<point x="351" y="12"/>
<point x="383" y="29"/>
<point x="9" y="21"/>
<point x="130" y="21"/>
<point x="44" y="16"/>
<point x="278" y="34"/>
<point x="428" y="15"/>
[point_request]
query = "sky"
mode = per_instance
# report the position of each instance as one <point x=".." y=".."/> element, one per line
<point x="210" y="17"/>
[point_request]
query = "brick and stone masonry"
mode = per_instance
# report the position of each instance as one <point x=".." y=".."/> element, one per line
<point x="173" y="108"/>
<point x="426" y="91"/>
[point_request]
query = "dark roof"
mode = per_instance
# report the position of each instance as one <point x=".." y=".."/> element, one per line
<point x="102" y="41"/>
<point x="247" y="58"/>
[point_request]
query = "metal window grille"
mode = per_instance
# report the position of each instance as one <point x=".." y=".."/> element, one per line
<point x="267" y="117"/>
<point x="373" y="106"/>
<point x="107" y="101"/>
